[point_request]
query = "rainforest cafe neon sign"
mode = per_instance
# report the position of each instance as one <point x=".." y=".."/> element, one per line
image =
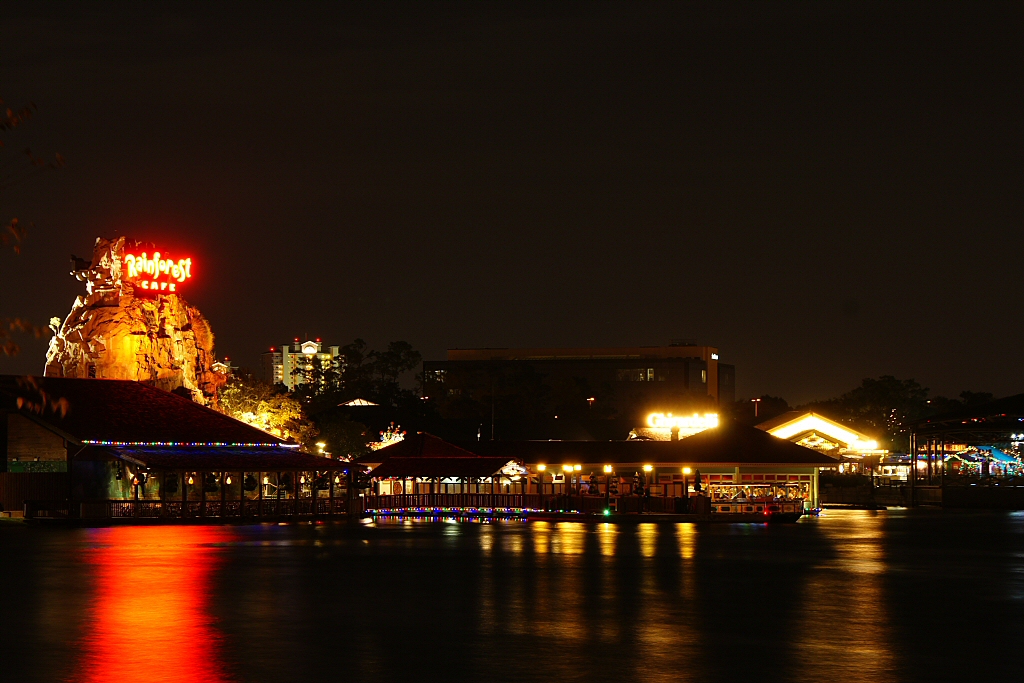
<point x="156" y="273"/>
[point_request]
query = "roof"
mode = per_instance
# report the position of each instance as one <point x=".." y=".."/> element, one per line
<point x="425" y="455"/>
<point x="990" y="421"/>
<point x="729" y="443"/>
<point x="439" y="467"/>
<point x="358" y="402"/>
<point x="228" y="459"/>
<point x="795" y="423"/>
<point x="104" y="411"/>
<point x="419" y="445"/>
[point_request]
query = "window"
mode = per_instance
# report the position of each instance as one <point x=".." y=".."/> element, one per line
<point x="704" y="376"/>
<point x="636" y="375"/>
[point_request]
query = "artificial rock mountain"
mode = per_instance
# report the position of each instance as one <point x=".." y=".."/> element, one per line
<point x="119" y="330"/>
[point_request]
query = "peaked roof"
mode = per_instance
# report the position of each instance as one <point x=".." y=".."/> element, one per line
<point x="419" y="445"/>
<point x="784" y="425"/>
<point x="110" y="411"/>
<point x="425" y="455"/>
<point x="729" y="443"/>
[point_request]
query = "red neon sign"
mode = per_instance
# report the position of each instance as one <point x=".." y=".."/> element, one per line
<point x="157" y="273"/>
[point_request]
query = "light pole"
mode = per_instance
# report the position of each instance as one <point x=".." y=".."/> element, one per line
<point x="686" y="489"/>
<point x="607" y="487"/>
<point x="756" y="402"/>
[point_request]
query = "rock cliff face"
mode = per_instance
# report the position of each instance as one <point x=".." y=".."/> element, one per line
<point x="127" y="328"/>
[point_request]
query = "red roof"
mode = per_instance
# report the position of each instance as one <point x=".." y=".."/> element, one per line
<point x="121" y="411"/>
<point x="419" y="445"/>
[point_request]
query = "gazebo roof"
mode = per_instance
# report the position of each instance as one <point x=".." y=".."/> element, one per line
<point x="110" y="411"/>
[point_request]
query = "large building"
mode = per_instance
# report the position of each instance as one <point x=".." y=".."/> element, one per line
<point x="627" y="382"/>
<point x="290" y="364"/>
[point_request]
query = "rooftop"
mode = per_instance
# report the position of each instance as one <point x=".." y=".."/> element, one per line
<point x="122" y="412"/>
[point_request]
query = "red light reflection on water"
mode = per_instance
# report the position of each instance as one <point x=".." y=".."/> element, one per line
<point x="149" y="618"/>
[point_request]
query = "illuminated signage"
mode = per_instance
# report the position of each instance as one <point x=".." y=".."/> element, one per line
<point x="714" y="356"/>
<point x="688" y="426"/>
<point x="157" y="273"/>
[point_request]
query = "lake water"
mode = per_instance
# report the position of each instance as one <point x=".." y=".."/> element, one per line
<point x="850" y="596"/>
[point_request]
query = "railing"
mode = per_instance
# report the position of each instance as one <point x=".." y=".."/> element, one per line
<point x="520" y="501"/>
<point x="268" y="508"/>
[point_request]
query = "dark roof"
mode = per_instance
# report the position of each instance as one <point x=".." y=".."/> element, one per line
<point x="228" y="459"/>
<point x="990" y="423"/>
<point x="729" y="443"/>
<point x="121" y="411"/>
<point x="439" y="467"/>
<point x="419" y="445"/>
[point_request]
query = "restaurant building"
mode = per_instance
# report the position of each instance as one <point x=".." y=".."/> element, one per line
<point x="107" y="449"/>
<point x="740" y="469"/>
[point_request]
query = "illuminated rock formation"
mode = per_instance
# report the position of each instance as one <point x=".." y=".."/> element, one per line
<point x="133" y="324"/>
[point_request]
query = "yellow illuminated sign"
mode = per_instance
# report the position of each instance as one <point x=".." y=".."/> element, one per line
<point x="691" y="425"/>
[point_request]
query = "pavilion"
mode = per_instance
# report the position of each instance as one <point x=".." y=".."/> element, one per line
<point x="851" y="450"/>
<point x="734" y="462"/>
<point x="108" y="449"/>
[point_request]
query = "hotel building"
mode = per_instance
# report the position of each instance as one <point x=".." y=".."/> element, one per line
<point x="633" y="380"/>
<point x="288" y="363"/>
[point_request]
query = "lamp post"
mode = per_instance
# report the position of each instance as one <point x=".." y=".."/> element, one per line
<point x="686" y="489"/>
<point x="607" y="487"/>
<point x="756" y="402"/>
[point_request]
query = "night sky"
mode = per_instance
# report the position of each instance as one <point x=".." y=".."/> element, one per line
<point x="824" y="191"/>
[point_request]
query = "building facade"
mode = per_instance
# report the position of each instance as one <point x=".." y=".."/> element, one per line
<point x="290" y="364"/>
<point x="625" y="382"/>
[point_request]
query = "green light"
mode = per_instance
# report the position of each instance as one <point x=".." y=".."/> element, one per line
<point x="607" y="512"/>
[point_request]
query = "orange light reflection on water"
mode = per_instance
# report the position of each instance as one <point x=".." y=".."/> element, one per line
<point x="149" y="617"/>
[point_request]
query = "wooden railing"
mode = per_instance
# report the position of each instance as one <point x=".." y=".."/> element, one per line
<point x="268" y="508"/>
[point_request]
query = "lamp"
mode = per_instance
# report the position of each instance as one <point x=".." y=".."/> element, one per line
<point x="541" y="467"/>
<point x="577" y="467"/>
<point x="227" y="480"/>
<point x="190" y="480"/>
<point x="686" y="470"/>
<point x="648" y="468"/>
<point x="607" y="469"/>
<point x="337" y="479"/>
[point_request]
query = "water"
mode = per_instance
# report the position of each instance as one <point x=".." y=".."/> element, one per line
<point x="851" y="596"/>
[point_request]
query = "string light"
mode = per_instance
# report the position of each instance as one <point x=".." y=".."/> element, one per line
<point x="217" y="444"/>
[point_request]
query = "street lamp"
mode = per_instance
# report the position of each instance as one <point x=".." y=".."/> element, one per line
<point x="607" y="487"/>
<point x="756" y="402"/>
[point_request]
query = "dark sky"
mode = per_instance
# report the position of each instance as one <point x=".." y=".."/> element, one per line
<point x="825" y="191"/>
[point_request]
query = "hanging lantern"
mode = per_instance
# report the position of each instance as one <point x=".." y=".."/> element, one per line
<point x="302" y="479"/>
<point x="337" y="479"/>
<point x="227" y="480"/>
<point x="190" y="480"/>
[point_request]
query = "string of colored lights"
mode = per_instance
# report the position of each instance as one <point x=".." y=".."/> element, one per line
<point x="205" y="444"/>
